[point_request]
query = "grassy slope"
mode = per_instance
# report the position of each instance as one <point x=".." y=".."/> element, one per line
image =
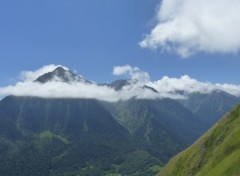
<point x="217" y="153"/>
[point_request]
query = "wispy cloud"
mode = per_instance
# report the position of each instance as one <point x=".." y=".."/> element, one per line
<point x="189" y="26"/>
<point x="174" y="88"/>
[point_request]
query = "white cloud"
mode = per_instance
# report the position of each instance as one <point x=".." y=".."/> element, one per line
<point x="134" y="72"/>
<point x="230" y="88"/>
<point x="55" y="89"/>
<point x="189" y="26"/>
<point x="33" y="75"/>
<point x="183" y="84"/>
<point x="121" y="70"/>
<point x="60" y="90"/>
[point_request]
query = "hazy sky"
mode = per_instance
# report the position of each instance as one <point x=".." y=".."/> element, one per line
<point x="178" y="37"/>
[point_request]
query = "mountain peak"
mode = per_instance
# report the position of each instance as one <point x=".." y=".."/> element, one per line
<point x="119" y="84"/>
<point x="60" y="69"/>
<point x="61" y="75"/>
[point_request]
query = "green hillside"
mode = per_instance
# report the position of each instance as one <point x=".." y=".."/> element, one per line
<point x="162" y="127"/>
<point x="55" y="137"/>
<point x="217" y="153"/>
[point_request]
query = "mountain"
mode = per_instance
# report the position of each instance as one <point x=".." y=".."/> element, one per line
<point x="62" y="75"/>
<point x="64" y="136"/>
<point x="67" y="136"/>
<point x="210" y="107"/>
<point x="216" y="153"/>
<point x="162" y="126"/>
<point x="119" y="84"/>
<point x="56" y="136"/>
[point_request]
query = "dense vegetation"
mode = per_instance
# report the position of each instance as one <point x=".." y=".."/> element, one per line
<point x="217" y="153"/>
<point x="162" y="127"/>
<point x="67" y="136"/>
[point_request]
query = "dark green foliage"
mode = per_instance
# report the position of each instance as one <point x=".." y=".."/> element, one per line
<point x="44" y="135"/>
<point x="161" y="127"/>
<point x="81" y="137"/>
<point x="138" y="163"/>
<point x="51" y="137"/>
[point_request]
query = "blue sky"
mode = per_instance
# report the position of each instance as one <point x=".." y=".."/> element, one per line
<point x="92" y="37"/>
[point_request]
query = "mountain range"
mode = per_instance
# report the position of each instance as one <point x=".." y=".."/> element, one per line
<point x="210" y="107"/>
<point x="76" y="136"/>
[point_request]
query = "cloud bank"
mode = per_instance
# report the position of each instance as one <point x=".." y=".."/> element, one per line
<point x="190" y="26"/>
<point x="56" y="88"/>
<point x="174" y="88"/>
<point x="187" y="85"/>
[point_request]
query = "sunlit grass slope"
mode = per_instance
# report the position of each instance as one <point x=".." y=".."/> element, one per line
<point x="216" y="153"/>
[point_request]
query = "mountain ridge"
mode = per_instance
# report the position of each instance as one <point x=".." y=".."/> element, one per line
<point x="210" y="107"/>
<point x="62" y="75"/>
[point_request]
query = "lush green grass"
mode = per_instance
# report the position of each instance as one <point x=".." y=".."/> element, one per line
<point x="49" y="135"/>
<point x="155" y="168"/>
<point x="217" y="153"/>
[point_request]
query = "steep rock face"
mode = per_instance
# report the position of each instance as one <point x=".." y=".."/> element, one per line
<point x="216" y="153"/>
<point x="210" y="107"/>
